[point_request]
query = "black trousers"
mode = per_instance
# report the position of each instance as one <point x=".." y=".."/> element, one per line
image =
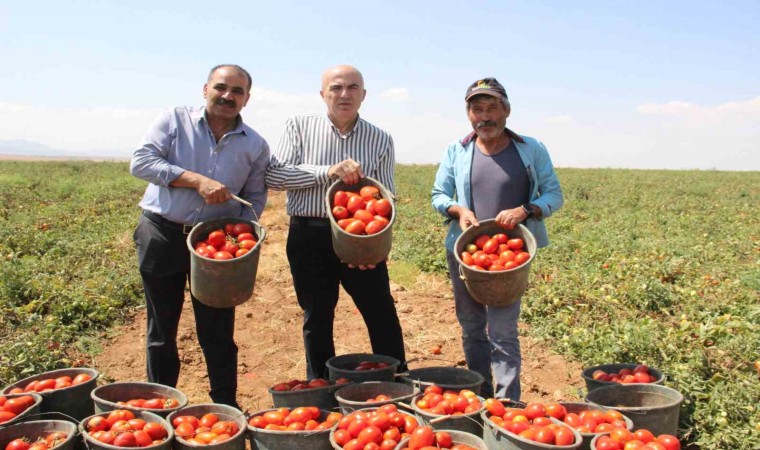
<point x="164" y="262"/>
<point x="317" y="273"/>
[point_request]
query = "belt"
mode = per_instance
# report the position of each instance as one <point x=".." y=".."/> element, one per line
<point x="166" y="223"/>
<point x="309" y="221"/>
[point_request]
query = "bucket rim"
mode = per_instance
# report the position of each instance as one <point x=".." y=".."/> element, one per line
<point x="393" y="362"/>
<point x="364" y="181"/>
<point x="250" y="253"/>
<point x="636" y="387"/>
<point x="68" y="427"/>
<point x="493" y="428"/>
<point x="587" y="373"/>
<point x="373" y="383"/>
<point x="323" y="414"/>
<point x="94" y="395"/>
<point x="54" y="374"/>
<point x="20" y="417"/>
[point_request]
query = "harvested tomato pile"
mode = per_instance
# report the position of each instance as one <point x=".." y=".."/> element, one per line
<point x="641" y="439"/>
<point x="424" y="438"/>
<point x="208" y="429"/>
<point x="234" y="241"/>
<point x="43" y="443"/>
<point x="50" y="384"/>
<point x="382" y="428"/>
<point x="122" y="429"/>
<point x="494" y="253"/>
<point x="297" y="385"/>
<point x="640" y="374"/>
<point x="305" y="418"/>
<point x="534" y="422"/>
<point x="151" y="403"/>
<point x="364" y="213"/>
<point x="12" y="407"/>
<point x="437" y="401"/>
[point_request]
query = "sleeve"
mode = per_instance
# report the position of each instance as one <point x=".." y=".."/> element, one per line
<point x="386" y="165"/>
<point x="286" y="170"/>
<point x="444" y="187"/>
<point x="150" y="162"/>
<point x="255" y="188"/>
<point x="550" y="198"/>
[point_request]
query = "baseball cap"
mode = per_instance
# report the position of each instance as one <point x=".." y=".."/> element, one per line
<point x="486" y="86"/>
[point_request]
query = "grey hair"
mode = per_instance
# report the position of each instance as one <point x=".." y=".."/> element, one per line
<point x="234" y="66"/>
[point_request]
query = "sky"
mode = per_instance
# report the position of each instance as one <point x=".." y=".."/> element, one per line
<point x="624" y="84"/>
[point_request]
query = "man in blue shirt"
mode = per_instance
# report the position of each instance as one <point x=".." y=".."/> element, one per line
<point x="195" y="159"/>
<point x="493" y="173"/>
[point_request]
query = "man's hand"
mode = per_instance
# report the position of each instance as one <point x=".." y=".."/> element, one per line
<point x="348" y="170"/>
<point x="465" y="217"/>
<point x="360" y="267"/>
<point x="212" y="191"/>
<point x="509" y="218"/>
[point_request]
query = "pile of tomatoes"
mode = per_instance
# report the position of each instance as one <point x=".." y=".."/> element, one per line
<point x="382" y="428"/>
<point x="234" y="241"/>
<point x="297" y="385"/>
<point x="364" y="213"/>
<point x="47" y="442"/>
<point x="371" y="365"/>
<point x="208" y="429"/>
<point x="424" y="438"/>
<point x="151" y="403"/>
<point x="641" y="439"/>
<point x="494" y="253"/>
<point x="304" y="418"/>
<point x="50" y="384"/>
<point x="12" y="407"/>
<point x="439" y="402"/>
<point x="121" y="429"/>
<point x="534" y="422"/>
<point x="591" y="420"/>
<point x="639" y="374"/>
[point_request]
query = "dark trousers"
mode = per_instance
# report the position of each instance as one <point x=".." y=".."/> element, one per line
<point x="317" y="273"/>
<point x="164" y="262"/>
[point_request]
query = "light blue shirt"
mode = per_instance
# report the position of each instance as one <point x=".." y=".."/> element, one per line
<point x="453" y="185"/>
<point x="179" y="140"/>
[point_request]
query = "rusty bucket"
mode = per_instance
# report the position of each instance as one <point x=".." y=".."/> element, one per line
<point x="228" y="283"/>
<point x="355" y="249"/>
<point x="500" y="288"/>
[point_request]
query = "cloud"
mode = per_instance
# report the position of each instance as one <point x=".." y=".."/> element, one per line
<point x="693" y="115"/>
<point x="559" y="119"/>
<point x="395" y="95"/>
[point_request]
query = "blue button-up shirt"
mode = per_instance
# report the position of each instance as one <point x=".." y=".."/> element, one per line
<point x="180" y="140"/>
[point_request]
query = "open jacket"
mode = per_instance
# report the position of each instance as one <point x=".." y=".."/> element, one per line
<point x="452" y="183"/>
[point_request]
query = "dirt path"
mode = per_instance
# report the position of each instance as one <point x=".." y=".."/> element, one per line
<point x="268" y="333"/>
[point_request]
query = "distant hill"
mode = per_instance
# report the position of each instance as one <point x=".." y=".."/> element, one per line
<point x="29" y="149"/>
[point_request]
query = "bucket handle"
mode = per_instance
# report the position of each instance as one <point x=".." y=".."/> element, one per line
<point x="461" y="273"/>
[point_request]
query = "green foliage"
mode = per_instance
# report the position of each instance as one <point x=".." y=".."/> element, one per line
<point x="658" y="267"/>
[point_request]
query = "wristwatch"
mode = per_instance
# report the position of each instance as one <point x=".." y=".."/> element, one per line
<point x="528" y="210"/>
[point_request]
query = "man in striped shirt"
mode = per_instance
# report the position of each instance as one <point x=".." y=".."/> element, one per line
<point x="316" y="149"/>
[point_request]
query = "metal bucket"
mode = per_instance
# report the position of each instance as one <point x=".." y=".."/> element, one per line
<point x="25" y="414"/>
<point x="105" y="397"/>
<point x="73" y="403"/>
<point x="228" y="283"/>
<point x="578" y="407"/>
<point x="341" y="366"/>
<point x="458" y="437"/>
<point x="500" y="288"/>
<point x="94" y="444"/>
<point x="36" y="429"/>
<point x="649" y="406"/>
<point x="321" y="397"/>
<point x="497" y="437"/>
<point x="354" y="396"/>
<point x="262" y="439"/>
<point x="469" y="423"/>
<point x="449" y="378"/>
<point x="225" y="413"/>
<point x="354" y="249"/>
<point x="592" y="384"/>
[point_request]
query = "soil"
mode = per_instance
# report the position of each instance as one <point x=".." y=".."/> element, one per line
<point x="268" y="334"/>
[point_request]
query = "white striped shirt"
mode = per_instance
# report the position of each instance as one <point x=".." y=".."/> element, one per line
<point x="310" y="145"/>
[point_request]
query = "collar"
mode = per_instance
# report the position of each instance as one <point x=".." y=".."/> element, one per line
<point x="356" y="127"/>
<point x="199" y="116"/>
<point x="471" y="137"/>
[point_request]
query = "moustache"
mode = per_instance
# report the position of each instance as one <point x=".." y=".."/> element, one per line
<point x="486" y="123"/>
<point x="223" y="102"/>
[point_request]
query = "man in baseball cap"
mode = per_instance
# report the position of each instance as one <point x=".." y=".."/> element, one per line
<point x="493" y="173"/>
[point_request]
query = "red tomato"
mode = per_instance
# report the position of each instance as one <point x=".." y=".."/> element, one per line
<point x="564" y="436"/>
<point x="216" y="238"/>
<point x="369" y="192"/>
<point x="364" y="215"/>
<point x="355" y="227"/>
<point x="501" y="238"/>
<point x="229" y="229"/>
<point x="241" y="252"/>
<point x="369" y="434"/>
<point x="155" y="430"/>
<point x="522" y="258"/>
<point x="490" y="246"/>
<point x="533" y="410"/>
<point x="555" y="410"/>
<point x="371" y="206"/>
<point x="125" y="439"/>
<point x="17" y="444"/>
<point x="340" y="198"/>
<point x="544" y="435"/>
<point x="229" y="247"/>
<point x="343" y="223"/>
<point x="355" y="204"/>
<point x="421" y="437"/>
<point x="247" y="244"/>
<point x="208" y="420"/>
<point x="45" y="384"/>
<point x="669" y="442"/>
<point x="223" y="255"/>
<point x="375" y="226"/>
<point x="246" y="237"/>
<point x="192" y="420"/>
<point x="383" y="207"/>
<point x="239" y="228"/>
<point x="467" y="258"/>
<point x="205" y="252"/>
<point x="339" y="212"/>
<point x="482" y="260"/>
<point x="515" y="244"/>
<point x="481" y="240"/>
<point x="443" y="439"/>
<point x="17" y="405"/>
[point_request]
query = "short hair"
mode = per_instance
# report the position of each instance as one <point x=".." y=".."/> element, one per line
<point x="234" y="66"/>
<point x="504" y="101"/>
